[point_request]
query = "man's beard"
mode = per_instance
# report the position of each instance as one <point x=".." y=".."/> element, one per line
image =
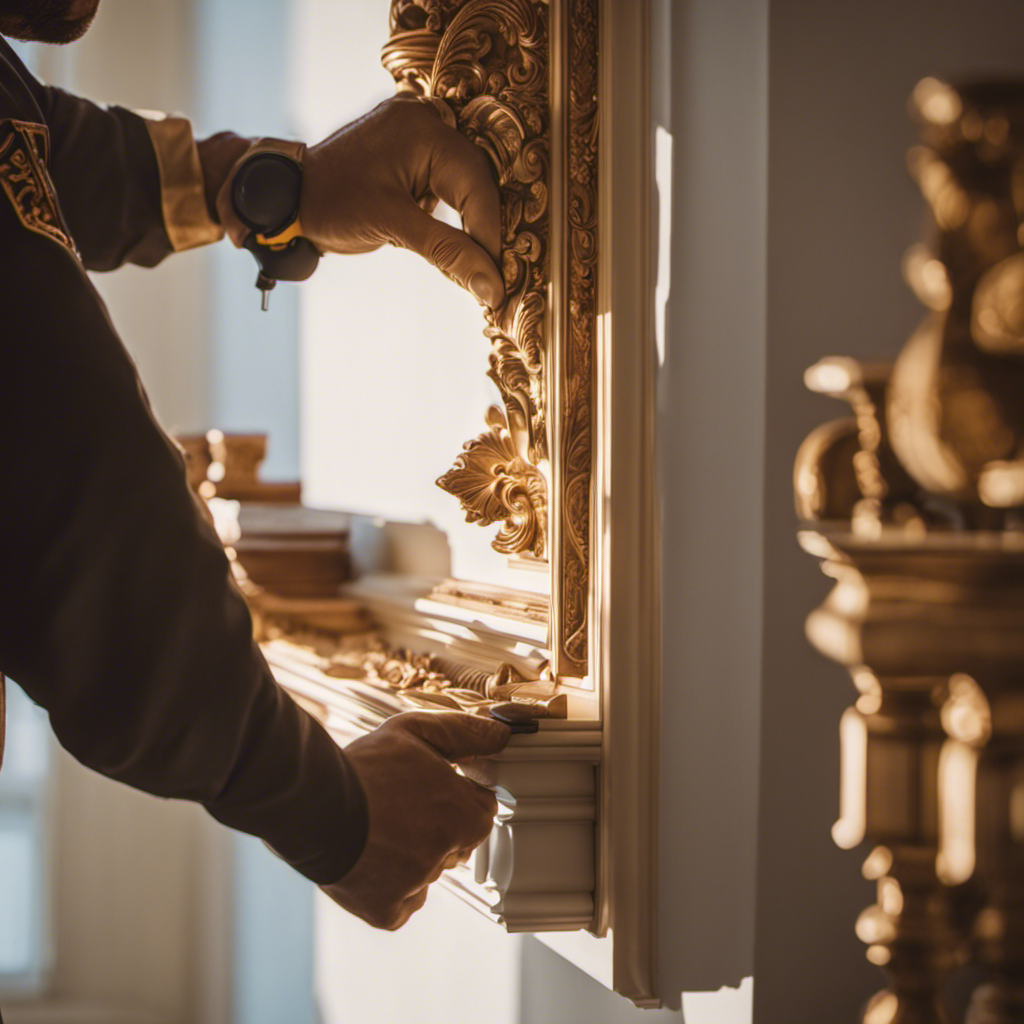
<point x="44" y="21"/>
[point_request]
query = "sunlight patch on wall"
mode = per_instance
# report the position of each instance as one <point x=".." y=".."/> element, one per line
<point x="726" y="1006"/>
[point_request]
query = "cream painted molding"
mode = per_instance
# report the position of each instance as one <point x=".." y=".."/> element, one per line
<point x="625" y="634"/>
<point x="537" y="871"/>
<point x="573" y="849"/>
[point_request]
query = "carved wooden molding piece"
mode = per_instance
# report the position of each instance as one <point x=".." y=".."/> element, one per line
<point x="346" y="645"/>
<point x="522" y="604"/>
<point x="488" y="60"/>
<point x="536" y="872"/>
<point x="436" y="681"/>
<point x="497" y="485"/>
<point x="574" y="377"/>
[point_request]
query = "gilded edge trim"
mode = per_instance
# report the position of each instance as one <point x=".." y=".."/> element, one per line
<point x="490" y="61"/>
<point x="183" y="197"/>
<point x="575" y="377"/>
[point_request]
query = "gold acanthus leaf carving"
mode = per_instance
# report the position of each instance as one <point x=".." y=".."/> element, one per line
<point x="432" y="15"/>
<point x="416" y="28"/>
<point x="497" y="485"/>
<point x="437" y="682"/>
<point x="488" y="61"/>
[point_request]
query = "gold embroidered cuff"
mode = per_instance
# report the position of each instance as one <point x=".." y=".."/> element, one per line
<point x="183" y="198"/>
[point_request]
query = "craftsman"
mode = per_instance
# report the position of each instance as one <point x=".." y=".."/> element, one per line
<point x="117" y="613"/>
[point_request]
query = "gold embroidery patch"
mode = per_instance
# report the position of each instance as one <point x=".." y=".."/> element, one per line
<point x="24" y="151"/>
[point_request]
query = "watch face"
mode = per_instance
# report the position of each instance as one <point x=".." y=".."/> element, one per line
<point x="265" y="192"/>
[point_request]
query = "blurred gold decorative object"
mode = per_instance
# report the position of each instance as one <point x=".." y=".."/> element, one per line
<point x="915" y="506"/>
<point x="221" y="465"/>
<point x="289" y="560"/>
<point x="954" y="397"/>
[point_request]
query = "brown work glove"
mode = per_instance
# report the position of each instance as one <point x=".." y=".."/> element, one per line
<point x="374" y="182"/>
<point x="424" y="816"/>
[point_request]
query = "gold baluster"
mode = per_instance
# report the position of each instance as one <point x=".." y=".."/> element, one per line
<point x="916" y="506"/>
<point x="999" y="928"/>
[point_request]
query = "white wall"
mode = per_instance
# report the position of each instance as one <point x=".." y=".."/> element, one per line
<point x="138" y="54"/>
<point x="394" y="360"/>
<point x="140" y="906"/>
<point x="709" y="92"/>
<point x="446" y="966"/>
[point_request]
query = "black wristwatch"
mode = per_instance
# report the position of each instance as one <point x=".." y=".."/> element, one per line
<point x="265" y="193"/>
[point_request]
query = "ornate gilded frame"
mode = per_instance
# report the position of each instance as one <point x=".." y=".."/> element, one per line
<point x="487" y="63"/>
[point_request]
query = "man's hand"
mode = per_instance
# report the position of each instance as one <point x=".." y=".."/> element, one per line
<point x="424" y="816"/>
<point x="374" y="182"/>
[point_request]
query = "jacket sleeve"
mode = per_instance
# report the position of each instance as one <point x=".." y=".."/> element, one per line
<point x="117" y="613"/>
<point x="131" y="186"/>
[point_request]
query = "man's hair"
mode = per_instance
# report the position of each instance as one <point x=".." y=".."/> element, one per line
<point x="46" y="21"/>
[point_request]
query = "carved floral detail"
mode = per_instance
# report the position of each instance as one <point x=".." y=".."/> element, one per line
<point x="416" y="27"/>
<point x="497" y="485"/>
<point x="433" y="680"/>
<point x="412" y="15"/>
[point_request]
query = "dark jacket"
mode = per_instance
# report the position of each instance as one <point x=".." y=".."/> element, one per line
<point x="117" y="613"/>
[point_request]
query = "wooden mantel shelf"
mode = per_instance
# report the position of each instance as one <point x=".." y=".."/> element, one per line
<point x="537" y="871"/>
